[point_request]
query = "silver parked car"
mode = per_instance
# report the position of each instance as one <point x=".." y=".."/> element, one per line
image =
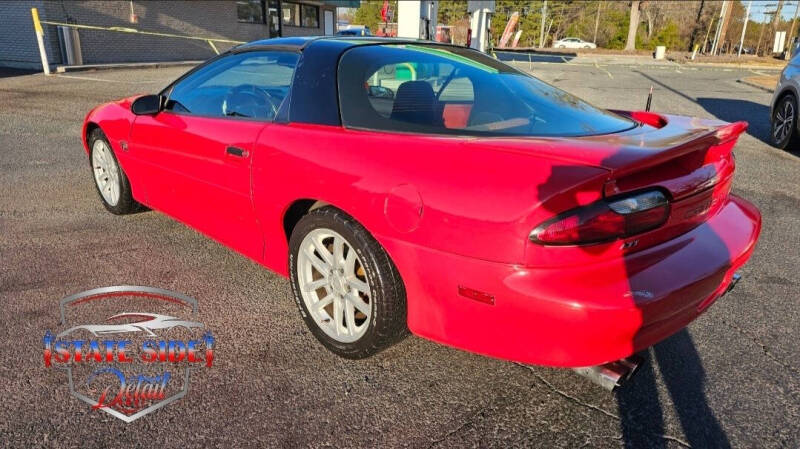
<point x="783" y="110"/>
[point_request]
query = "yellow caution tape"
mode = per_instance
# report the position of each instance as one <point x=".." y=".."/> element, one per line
<point x="213" y="47"/>
<point x="127" y="30"/>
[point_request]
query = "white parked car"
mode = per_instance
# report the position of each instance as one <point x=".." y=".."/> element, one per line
<point x="573" y="42"/>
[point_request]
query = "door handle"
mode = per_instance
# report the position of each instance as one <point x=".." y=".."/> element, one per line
<point x="236" y="151"/>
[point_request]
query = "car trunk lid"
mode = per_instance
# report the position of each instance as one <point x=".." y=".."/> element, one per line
<point x="690" y="160"/>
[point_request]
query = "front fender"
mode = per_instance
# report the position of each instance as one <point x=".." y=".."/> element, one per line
<point x="114" y="118"/>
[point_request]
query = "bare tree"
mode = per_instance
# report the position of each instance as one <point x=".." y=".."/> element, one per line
<point x="597" y="21"/>
<point x="698" y="25"/>
<point x="630" y="45"/>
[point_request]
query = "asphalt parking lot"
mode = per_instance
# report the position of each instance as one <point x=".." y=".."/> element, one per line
<point x="731" y="379"/>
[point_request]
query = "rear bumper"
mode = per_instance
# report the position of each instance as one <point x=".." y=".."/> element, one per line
<point x="582" y="315"/>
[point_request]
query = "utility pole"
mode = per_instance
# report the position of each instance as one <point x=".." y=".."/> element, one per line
<point x="541" y="29"/>
<point x="744" y="27"/>
<point x="597" y="21"/>
<point x="719" y="27"/>
<point x="791" y="32"/>
<point x="724" y="31"/>
<point x="776" y="19"/>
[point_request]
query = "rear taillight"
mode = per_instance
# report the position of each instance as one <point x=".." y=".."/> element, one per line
<point x="605" y="220"/>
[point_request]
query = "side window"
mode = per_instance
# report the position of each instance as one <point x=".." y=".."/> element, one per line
<point x="249" y="84"/>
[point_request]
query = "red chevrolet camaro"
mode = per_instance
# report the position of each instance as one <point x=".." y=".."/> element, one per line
<point x="407" y="185"/>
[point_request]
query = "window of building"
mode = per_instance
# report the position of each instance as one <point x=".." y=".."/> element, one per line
<point x="274" y="18"/>
<point x="300" y="15"/>
<point x="309" y="16"/>
<point x="251" y="11"/>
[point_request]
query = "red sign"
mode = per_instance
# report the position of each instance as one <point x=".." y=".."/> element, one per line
<point x="385" y="10"/>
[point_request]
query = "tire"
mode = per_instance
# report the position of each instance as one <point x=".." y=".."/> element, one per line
<point x="107" y="174"/>
<point x="783" y="131"/>
<point x="360" y="335"/>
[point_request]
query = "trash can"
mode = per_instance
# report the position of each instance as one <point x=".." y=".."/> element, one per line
<point x="70" y="44"/>
<point x="660" y="52"/>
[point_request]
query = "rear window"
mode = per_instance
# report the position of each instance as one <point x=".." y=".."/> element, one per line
<point x="452" y="90"/>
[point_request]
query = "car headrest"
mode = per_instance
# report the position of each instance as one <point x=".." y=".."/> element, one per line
<point x="415" y="102"/>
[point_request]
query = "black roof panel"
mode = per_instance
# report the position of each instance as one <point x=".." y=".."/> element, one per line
<point x="348" y="41"/>
<point x="298" y="42"/>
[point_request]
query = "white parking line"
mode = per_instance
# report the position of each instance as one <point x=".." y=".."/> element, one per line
<point x="607" y="72"/>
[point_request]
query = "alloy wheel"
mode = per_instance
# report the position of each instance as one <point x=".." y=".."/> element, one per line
<point x="784" y="121"/>
<point x="334" y="285"/>
<point x="106" y="172"/>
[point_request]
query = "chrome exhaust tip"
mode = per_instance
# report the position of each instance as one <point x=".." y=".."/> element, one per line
<point x="612" y="375"/>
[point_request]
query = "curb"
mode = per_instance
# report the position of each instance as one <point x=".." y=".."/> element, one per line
<point x="591" y="63"/>
<point x="654" y="63"/>
<point x="733" y="66"/>
<point x="134" y="65"/>
<point x="757" y="86"/>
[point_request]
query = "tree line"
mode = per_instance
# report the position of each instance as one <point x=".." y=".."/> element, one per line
<point x="628" y="25"/>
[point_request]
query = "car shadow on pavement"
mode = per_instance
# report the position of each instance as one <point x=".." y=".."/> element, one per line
<point x="680" y="366"/>
<point x="734" y="110"/>
<point x="641" y="414"/>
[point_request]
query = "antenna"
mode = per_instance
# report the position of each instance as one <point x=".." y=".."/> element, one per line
<point x="649" y="98"/>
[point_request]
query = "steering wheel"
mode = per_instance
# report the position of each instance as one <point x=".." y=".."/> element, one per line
<point x="532" y="119"/>
<point x="248" y="100"/>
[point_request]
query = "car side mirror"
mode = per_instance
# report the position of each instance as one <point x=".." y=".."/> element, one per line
<point x="147" y="105"/>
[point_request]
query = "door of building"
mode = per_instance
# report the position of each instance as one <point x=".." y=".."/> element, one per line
<point x="328" y="23"/>
<point x="274" y="18"/>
